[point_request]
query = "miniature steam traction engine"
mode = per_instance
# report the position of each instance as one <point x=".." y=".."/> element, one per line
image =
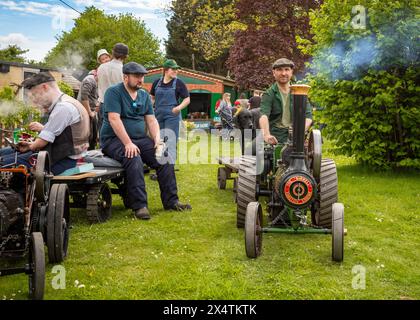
<point x="296" y="181"/>
<point x="32" y="213"/>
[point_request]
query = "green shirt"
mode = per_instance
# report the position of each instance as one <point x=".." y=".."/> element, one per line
<point x="272" y="107"/>
<point x="132" y="112"/>
<point x="286" y="120"/>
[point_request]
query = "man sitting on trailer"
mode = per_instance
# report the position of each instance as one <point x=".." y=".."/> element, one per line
<point x="127" y="111"/>
<point x="65" y="135"/>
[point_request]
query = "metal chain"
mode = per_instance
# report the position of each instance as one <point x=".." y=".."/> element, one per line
<point x="279" y="217"/>
<point x="9" y="237"/>
<point x="26" y="245"/>
<point x="3" y="244"/>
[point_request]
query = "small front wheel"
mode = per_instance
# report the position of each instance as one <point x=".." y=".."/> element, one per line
<point x="337" y="232"/>
<point x="99" y="203"/>
<point x="58" y="223"/>
<point x="253" y="230"/>
<point x="37" y="267"/>
<point x="221" y="178"/>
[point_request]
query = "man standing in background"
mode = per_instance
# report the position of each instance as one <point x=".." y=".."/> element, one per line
<point x="88" y="97"/>
<point x="109" y="74"/>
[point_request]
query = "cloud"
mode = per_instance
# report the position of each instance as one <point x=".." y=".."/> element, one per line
<point x="145" y="16"/>
<point x="39" y="8"/>
<point x="13" y="38"/>
<point x="108" y="5"/>
<point x="61" y="18"/>
<point x="143" y="9"/>
<point x="37" y="49"/>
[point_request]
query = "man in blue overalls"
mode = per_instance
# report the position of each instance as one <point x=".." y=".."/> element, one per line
<point x="128" y="109"/>
<point x="167" y="92"/>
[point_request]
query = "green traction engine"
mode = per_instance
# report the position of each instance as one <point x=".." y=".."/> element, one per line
<point x="296" y="181"/>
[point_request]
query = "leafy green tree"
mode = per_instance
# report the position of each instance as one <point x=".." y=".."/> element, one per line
<point x="365" y="74"/>
<point x="272" y="27"/>
<point x="94" y="30"/>
<point x="194" y="29"/>
<point x="181" y="20"/>
<point x="13" y="53"/>
<point x="214" y="29"/>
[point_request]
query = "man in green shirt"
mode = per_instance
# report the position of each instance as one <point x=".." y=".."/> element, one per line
<point x="277" y="105"/>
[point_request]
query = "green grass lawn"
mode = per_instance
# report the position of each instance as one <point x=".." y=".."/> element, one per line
<point x="201" y="254"/>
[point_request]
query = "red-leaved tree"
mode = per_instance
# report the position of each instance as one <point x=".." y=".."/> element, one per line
<point x="272" y="28"/>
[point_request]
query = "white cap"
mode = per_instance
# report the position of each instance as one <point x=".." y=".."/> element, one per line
<point x="101" y="52"/>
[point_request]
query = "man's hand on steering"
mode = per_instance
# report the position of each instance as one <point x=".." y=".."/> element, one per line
<point x="23" y="146"/>
<point x="131" y="150"/>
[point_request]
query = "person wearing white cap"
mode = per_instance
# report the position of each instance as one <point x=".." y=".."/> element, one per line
<point x="103" y="56"/>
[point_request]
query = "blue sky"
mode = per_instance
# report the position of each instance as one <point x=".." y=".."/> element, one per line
<point x="34" y="24"/>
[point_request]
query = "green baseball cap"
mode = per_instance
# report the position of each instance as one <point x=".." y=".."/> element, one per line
<point x="171" y="63"/>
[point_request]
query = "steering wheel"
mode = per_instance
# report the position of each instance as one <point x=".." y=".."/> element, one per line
<point x="12" y="144"/>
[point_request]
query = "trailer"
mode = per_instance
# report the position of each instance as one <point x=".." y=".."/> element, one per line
<point x="92" y="191"/>
<point x="228" y="171"/>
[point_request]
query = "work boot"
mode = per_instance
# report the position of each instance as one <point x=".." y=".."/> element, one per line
<point x="142" y="214"/>
<point x="178" y="206"/>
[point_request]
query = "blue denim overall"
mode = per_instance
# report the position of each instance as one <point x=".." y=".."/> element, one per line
<point x="165" y="101"/>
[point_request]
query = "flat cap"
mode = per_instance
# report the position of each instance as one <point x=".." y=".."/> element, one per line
<point x="37" y="79"/>
<point x="121" y="49"/>
<point x="283" y="62"/>
<point x="134" y="68"/>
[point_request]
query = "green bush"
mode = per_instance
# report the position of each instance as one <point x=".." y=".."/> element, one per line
<point x="189" y="125"/>
<point x="6" y="93"/>
<point x="366" y="80"/>
<point x="14" y="113"/>
<point x="64" y="87"/>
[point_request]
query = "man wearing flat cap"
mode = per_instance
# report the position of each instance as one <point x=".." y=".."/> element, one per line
<point x="66" y="133"/>
<point x="128" y="111"/>
<point x="109" y="74"/>
<point x="277" y="105"/>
